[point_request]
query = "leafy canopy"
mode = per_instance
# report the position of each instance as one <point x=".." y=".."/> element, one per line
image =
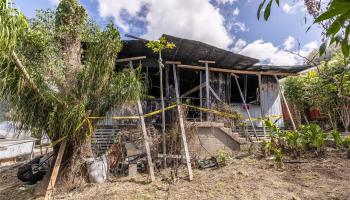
<point x="59" y="68"/>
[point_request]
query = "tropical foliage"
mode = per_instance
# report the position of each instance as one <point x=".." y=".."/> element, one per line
<point x="328" y="89"/>
<point x="58" y="69"/>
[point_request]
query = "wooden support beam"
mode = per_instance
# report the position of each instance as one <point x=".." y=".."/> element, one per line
<point x="214" y="93"/>
<point x="131" y="59"/>
<point x="198" y="87"/>
<point x="55" y="170"/>
<point x="206" y="61"/>
<point x="201" y="95"/>
<point x="207" y="84"/>
<point x="244" y="102"/>
<point x="236" y="71"/>
<point x="173" y="62"/>
<point x="182" y="126"/>
<point x="285" y="103"/>
<point x="145" y="136"/>
<point x="262" y="110"/>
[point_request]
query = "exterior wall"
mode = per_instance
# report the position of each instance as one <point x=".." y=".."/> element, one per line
<point x="271" y="99"/>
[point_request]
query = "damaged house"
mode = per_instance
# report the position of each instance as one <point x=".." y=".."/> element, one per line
<point x="213" y="83"/>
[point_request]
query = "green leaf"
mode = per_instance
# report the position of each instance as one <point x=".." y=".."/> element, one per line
<point x="322" y="49"/>
<point x="278" y="2"/>
<point x="328" y="14"/>
<point x="345" y="48"/>
<point x="333" y="28"/>
<point x="267" y="10"/>
<point x="259" y="9"/>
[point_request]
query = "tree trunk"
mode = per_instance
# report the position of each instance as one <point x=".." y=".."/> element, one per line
<point x="73" y="172"/>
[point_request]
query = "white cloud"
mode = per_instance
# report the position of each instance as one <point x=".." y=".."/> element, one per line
<point x="225" y="1"/>
<point x="195" y="19"/>
<point x="240" y="25"/>
<point x="268" y="53"/>
<point x="235" y="12"/>
<point x="295" y="6"/>
<point x="239" y="45"/>
<point x="289" y="43"/>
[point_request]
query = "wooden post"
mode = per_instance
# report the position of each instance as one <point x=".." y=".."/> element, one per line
<point x="285" y="103"/>
<point x="162" y="105"/>
<point x="244" y="102"/>
<point x="200" y="95"/>
<point x="207" y="86"/>
<point x="262" y="105"/>
<point x="55" y="170"/>
<point x="145" y="136"/>
<point x="182" y="126"/>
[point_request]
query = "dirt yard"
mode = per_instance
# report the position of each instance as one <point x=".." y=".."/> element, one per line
<point x="246" y="178"/>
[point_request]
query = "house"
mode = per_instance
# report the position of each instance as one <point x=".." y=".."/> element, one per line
<point x="211" y="78"/>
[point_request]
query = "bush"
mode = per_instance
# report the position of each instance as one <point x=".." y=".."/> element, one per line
<point x="337" y="138"/>
<point x="223" y="156"/>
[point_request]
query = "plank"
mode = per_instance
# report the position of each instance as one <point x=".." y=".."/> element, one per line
<point x="285" y="103"/>
<point x="198" y="87"/>
<point x="182" y="126"/>
<point x="145" y="136"/>
<point x="219" y="69"/>
<point x="206" y="61"/>
<point x="130" y="59"/>
<point x="207" y="84"/>
<point x="55" y="170"/>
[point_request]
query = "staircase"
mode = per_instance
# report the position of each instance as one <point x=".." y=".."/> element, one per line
<point x="214" y="136"/>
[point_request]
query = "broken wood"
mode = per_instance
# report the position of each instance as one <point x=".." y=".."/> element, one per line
<point x="285" y="103"/>
<point x="55" y="170"/>
<point x="236" y="71"/>
<point x="145" y="136"/>
<point x="182" y="126"/>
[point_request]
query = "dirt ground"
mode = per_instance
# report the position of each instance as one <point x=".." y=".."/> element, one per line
<point x="245" y="178"/>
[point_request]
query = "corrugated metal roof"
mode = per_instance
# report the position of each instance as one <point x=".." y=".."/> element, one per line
<point x="190" y="51"/>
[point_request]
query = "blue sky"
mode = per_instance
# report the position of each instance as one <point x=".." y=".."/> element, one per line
<point x="229" y="24"/>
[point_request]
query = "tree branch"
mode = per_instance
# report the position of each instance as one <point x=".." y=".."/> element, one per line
<point x="24" y="72"/>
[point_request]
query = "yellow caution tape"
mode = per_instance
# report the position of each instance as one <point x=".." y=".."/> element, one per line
<point x="224" y="114"/>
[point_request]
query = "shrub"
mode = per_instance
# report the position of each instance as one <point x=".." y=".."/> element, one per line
<point x="337" y="138"/>
<point x="223" y="156"/>
<point x="278" y="157"/>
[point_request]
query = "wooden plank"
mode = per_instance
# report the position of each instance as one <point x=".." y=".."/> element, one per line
<point x="201" y="95"/>
<point x="244" y="102"/>
<point x="215" y="95"/>
<point x="173" y="62"/>
<point x="182" y="126"/>
<point x="206" y="61"/>
<point x="218" y="69"/>
<point x="131" y="59"/>
<point x="262" y="110"/>
<point x="55" y="170"/>
<point x="285" y="103"/>
<point x="198" y="87"/>
<point x="145" y="136"/>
